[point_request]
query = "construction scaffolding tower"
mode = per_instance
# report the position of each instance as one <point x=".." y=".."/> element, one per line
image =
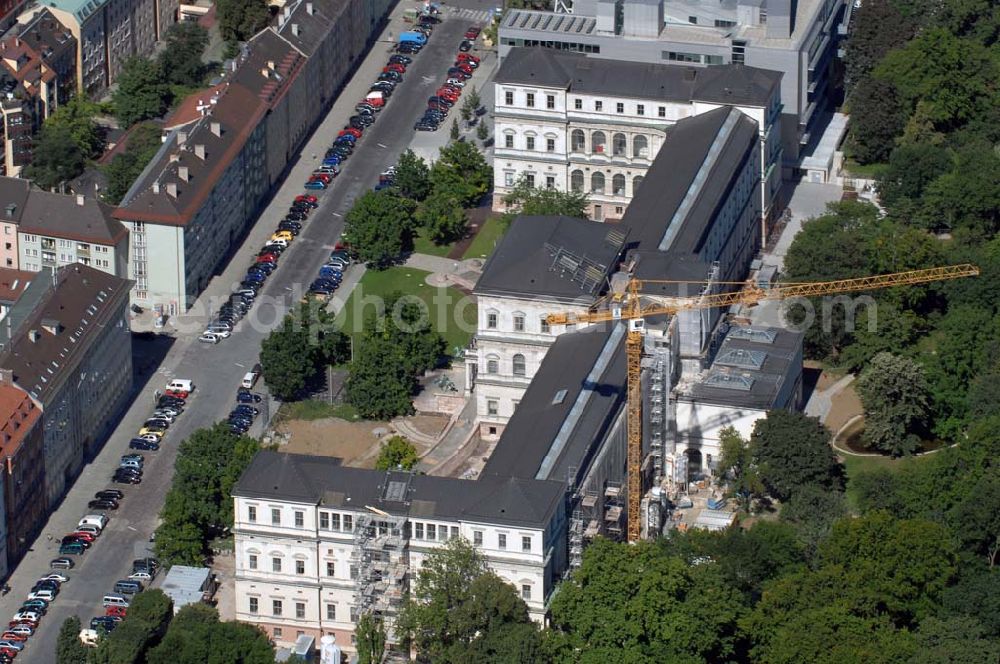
<point x="381" y="557"/>
<point x="614" y="495"/>
<point x="657" y="400"/>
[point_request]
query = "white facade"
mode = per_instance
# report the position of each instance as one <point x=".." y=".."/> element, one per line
<point x="511" y="340"/>
<point x="295" y="575"/>
<point x="601" y="145"/>
<point x="38" y="251"/>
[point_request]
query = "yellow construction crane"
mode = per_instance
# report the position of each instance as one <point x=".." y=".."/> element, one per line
<point x="624" y="303"/>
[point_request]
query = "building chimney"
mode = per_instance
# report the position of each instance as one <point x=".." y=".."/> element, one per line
<point x="295" y="32"/>
<point x="288" y="11"/>
<point x="182" y="137"/>
<point x="34" y="335"/>
<point x="199" y="151"/>
<point x="309" y="8"/>
<point x="216" y="128"/>
<point x="80" y="200"/>
<point x="270" y="63"/>
<point x="265" y="72"/>
<point x="156" y="187"/>
<point x="6" y="376"/>
<point x="182" y="173"/>
<point x="172" y="189"/>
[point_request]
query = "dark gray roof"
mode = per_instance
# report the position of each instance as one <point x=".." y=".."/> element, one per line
<point x="65" y="216"/>
<point x="750" y="369"/>
<point x="324" y="481"/>
<point x="13" y="197"/>
<point x="683" y="189"/>
<point x="726" y="84"/>
<point x="557" y="257"/>
<point x="571" y="403"/>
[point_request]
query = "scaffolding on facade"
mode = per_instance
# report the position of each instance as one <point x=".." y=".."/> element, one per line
<point x="657" y="399"/>
<point x="381" y="558"/>
<point x="614" y="496"/>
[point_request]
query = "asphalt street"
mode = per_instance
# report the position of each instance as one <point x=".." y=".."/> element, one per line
<point x="217" y="369"/>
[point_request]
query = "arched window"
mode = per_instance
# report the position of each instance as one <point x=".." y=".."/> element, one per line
<point x="620" y="145"/>
<point x="597" y="183"/>
<point x="618" y="184"/>
<point x="636" y="181"/>
<point x="640" y="147"/>
<point x="518" y="364"/>
<point x="578" y="140"/>
<point x="598" y="141"/>
<point x="576" y="181"/>
<point x="493" y="364"/>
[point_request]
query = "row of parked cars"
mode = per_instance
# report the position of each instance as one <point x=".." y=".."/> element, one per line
<point x="446" y="96"/>
<point x="169" y="407"/>
<point x="25" y="621"/>
<point x="116" y="602"/>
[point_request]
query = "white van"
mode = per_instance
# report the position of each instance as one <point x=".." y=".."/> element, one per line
<point x="181" y="385"/>
<point x="375" y="94"/>
<point x="89" y="528"/>
<point x="251" y="377"/>
<point x="98" y="520"/>
<point x="115" y="600"/>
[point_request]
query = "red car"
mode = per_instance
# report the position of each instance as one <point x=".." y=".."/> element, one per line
<point x="13" y="636"/>
<point x="464" y="66"/>
<point x="116" y="611"/>
<point x="454" y="88"/>
<point x="10" y="653"/>
<point x="356" y="133"/>
<point x="448" y="95"/>
<point x="177" y="394"/>
<point x="87" y="537"/>
<point x="473" y="32"/>
<point x="396" y="67"/>
<point x="306" y="198"/>
<point x="467" y="57"/>
<point x="267" y="258"/>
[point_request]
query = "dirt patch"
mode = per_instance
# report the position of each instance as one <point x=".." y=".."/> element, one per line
<point x="843" y="407"/>
<point x="430" y="425"/>
<point x="826" y="378"/>
<point x="333" y="437"/>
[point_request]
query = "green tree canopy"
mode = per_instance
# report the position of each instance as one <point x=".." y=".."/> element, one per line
<point x="196" y="636"/>
<point x="379" y="226"/>
<point x="397" y="452"/>
<point x="793" y="452"/>
<point x="288" y="360"/>
<point x="877" y="27"/>
<point x="738" y="470"/>
<point x="142" y="92"/>
<point x="69" y="649"/>
<point x="77" y="115"/>
<point x="412" y="176"/>
<point x="239" y="20"/>
<point x="371" y="637"/>
<point x="461" y="172"/>
<point x="529" y="200"/>
<point x="443" y="217"/>
<point x="181" y="60"/>
<point x="143" y="143"/>
<point x="149" y="613"/>
<point x="894" y="393"/>
<point x="877" y="119"/>
<point x="56" y="158"/>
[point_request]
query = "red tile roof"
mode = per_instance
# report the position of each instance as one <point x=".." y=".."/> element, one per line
<point x="13" y="283"/>
<point x="18" y="414"/>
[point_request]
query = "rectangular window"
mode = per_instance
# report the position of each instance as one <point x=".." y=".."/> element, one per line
<point x="454" y="532"/>
<point x="334" y="522"/>
<point x="508" y="179"/>
<point x="252" y="561"/>
<point x="544" y="324"/>
<point x="277" y="632"/>
<point x="550" y="102"/>
<point x="640" y="109"/>
<point x="529" y="142"/>
<point x="578" y="104"/>
<point x="620" y="107"/>
<point x="348" y="523"/>
<point x="300" y="567"/>
<point x="491" y="321"/>
<point x="508" y="140"/>
<point x="662" y="111"/>
<point x="530" y="99"/>
<point x="508" y="97"/>
<point x="431" y="532"/>
<point x="418" y="531"/>
<point x="529" y="179"/>
<point x="324" y="521"/>
<point x="526" y="544"/>
<point x="491" y="409"/>
<point x="331" y="611"/>
<point x="525" y="591"/>
<point x="719" y="23"/>
<point x="550" y="145"/>
<point x="550" y="182"/>
<point x="276" y="607"/>
<point x="331" y="568"/>
<point x="598" y="105"/>
<point x="519" y="323"/>
<point x="275" y="516"/>
<point x="253" y="605"/>
<point x="300" y="519"/>
<point x="477" y="537"/>
<point x="693" y="20"/>
<point x="300" y="610"/>
<point x="252" y="514"/>
<point x="501" y="541"/>
<point x="275" y="564"/>
<point x="354" y="572"/>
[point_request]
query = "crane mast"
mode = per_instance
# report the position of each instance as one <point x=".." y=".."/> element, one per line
<point x="624" y="303"/>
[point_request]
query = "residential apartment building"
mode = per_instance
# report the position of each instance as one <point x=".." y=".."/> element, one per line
<point x="109" y="32"/>
<point x="13" y="283"/>
<point x="13" y="197"/>
<point x="798" y="39"/>
<point x="22" y="455"/>
<point x="318" y="544"/>
<point x="568" y="122"/>
<point x="37" y="74"/>
<point x="228" y="146"/>
<point x="67" y="344"/>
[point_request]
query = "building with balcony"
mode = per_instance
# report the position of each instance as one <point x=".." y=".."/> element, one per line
<point x="22" y="470"/>
<point x="318" y="544"/>
<point x="66" y="342"/>
<point x="798" y="39"/>
<point x="568" y="122"/>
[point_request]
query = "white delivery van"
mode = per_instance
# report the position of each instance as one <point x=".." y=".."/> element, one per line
<point x="115" y="600"/>
<point x="250" y="378"/>
<point x="181" y="385"/>
<point x="98" y="520"/>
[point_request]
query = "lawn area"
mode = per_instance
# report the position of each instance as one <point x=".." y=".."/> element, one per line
<point x="441" y="303"/>
<point x="314" y="409"/>
<point x="423" y="245"/>
<point x="855" y="465"/>
<point x="483" y="244"/>
<point x="866" y="171"/>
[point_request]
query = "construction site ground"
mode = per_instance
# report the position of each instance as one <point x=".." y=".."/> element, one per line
<point x="357" y="443"/>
